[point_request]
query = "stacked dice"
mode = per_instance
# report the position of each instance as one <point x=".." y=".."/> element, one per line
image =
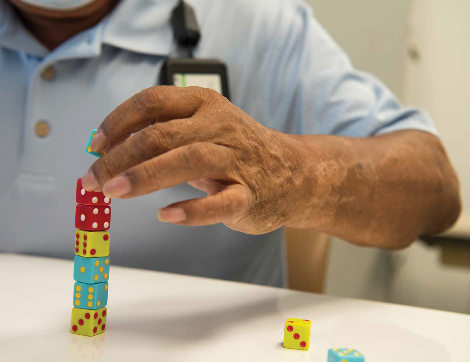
<point x="91" y="264"/>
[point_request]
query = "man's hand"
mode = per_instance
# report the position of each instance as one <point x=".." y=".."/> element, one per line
<point x="378" y="191"/>
<point x="197" y="136"/>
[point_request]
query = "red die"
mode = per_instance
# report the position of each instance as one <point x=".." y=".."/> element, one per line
<point x="92" y="218"/>
<point x="90" y="198"/>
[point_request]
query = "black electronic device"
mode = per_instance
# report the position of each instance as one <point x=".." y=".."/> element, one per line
<point x="185" y="72"/>
<point x="207" y="73"/>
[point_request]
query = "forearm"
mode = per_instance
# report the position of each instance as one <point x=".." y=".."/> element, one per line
<point x="378" y="191"/>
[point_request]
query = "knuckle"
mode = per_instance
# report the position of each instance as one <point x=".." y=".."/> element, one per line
<point x="226" y="206"/>
<point x="96" y="169"/>
<point x="114" y="122"/>
<point x="204" y="95"/>
<point x="195" y="155"/>
<point x="147" y="96"/>
<point x="209" y="93"/>
<point x="151" y="99"/>
<point x="160" y="137"/>
<point x="104" y="169"/>
<point x="144" y="178"/>
<point x="233" y="203"/>
<point x="155" y="140"/>
<point x="207" y="209"/>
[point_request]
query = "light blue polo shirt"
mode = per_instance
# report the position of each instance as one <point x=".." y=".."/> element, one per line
<point x="284" y="69"/>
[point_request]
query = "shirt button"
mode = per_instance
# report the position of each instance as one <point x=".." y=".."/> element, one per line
<point x="42" y="129"/>
<point x="49" y="72"/>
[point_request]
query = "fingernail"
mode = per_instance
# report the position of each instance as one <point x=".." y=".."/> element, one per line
<point x="89" y="182"/>
<point x="171" y="214"/>
<point x="98" y="142"/>
<point x="116" y="187"/>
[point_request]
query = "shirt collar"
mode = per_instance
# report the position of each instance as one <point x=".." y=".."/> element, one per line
<point x="139" y="26"/>
<point x="14" y="36"/>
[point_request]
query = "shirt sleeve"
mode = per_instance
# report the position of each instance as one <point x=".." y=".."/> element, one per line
<point x="317" y="90"/>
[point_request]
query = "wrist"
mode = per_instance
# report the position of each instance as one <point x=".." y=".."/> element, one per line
<point x="301" y="199"/>
<point x="329" y="179"/>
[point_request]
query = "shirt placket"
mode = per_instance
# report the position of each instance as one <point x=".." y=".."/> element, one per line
<point x="40" y="161"/>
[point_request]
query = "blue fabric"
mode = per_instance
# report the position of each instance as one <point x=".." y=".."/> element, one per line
<point x="284" y="69"/>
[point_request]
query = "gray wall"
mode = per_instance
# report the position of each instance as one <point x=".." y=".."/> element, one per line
<point x="375" y="34"/>
<point x="372" y="32"/>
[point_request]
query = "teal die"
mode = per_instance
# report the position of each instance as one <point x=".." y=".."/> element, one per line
<point x="90" y="296"/>
<point x="344" y="355"/>
<point x="91" y="270"/>
<point x="88" y="148"/>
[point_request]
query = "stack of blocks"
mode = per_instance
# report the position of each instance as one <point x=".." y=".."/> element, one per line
<point x="91" y="263"/>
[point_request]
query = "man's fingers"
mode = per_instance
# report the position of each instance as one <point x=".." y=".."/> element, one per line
<point x="180" y="165"/>
<point x="147" y="144"/>
<point x="227" y="205"/>
<point x="152" y="105"/>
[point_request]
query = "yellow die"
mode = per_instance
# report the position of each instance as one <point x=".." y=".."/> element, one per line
<point x="297" y="334"/>
<point x="91" y="244"/>
<point x="88" y="322"/>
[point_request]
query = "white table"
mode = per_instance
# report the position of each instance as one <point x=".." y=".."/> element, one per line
<point x="163" y="317"/>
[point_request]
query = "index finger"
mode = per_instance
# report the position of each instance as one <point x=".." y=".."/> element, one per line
<point x="152" y="105"/>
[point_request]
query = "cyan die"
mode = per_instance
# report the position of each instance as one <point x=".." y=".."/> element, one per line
<point x="344" y="355"/>
<point x="88" y="148"/>
<point x="90" y="296"/>
<point x="91" y="270"/>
